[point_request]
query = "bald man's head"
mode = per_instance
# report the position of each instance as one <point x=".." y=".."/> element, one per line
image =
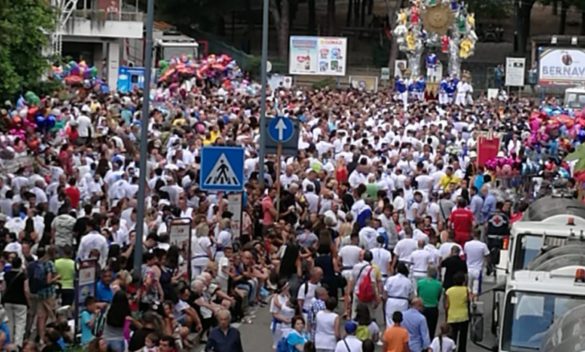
<point x="316" y="274"/>
<point x="417" y="303"/>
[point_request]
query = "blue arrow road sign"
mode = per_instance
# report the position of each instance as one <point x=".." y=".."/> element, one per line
<point x="280" y="129"/>
<point x="222" y="169"/>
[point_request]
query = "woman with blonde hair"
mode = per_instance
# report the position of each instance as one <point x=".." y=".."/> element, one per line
<point x="201" y="249"/>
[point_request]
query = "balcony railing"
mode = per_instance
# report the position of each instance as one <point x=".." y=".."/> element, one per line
<point x="103" y="15"/>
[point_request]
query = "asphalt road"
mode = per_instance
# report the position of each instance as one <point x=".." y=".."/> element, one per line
<point x="256" y="337"/>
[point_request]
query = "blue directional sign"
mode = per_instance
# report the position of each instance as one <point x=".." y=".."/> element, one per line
<point x="130" y="78"/>
<point x="280" y="129"/>
<point x="222" y="169"/>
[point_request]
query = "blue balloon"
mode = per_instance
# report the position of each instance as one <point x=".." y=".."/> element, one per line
<point x="547" y="110"/>
<point x="581" y="135"/>
<point x="51" y="120"/>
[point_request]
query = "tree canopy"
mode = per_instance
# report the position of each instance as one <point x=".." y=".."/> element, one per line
<point x="24" y="25"/>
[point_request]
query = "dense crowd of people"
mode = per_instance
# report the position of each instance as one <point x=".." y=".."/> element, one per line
<point x="384" y="220"/>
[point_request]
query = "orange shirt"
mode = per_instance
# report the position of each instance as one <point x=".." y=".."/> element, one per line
<point x="396" y="338"/>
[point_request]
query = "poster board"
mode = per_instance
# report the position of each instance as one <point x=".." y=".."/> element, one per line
<point x="399" y="67"/>
<point x="323" y="56"/>
<point x="515" y="71"/>
<point x="180" y="231"/>
<point x="558" y="66"/>
<point x="180" y="235"/>
<point x="235" y="207"/>
<point x="385" y="73"/>
<point x="85" y="286"/>
<point x="364" y="83"/>
<point x="492" y="93"/>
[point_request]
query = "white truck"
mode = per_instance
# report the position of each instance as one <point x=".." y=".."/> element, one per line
<point x="170" y="44"/>
<point x="539" y="268"/>
<point x="548" y="223"/>
<point x="167" y="44"/>
<point x="534" y="302"/>
<point x="575" y="98"/>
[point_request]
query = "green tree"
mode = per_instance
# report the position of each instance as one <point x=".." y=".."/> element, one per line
<point x="24" y="25"/>
<point x="281" y="15"/>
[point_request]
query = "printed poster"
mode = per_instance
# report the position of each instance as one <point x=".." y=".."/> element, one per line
<point x="515" y="71"/>
<point x="324" y="56"/>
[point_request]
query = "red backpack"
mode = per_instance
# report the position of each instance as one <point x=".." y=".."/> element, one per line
<point x="366" y="289"/>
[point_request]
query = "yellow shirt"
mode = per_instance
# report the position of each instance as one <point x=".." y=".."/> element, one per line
<point x="458" y="304"/>
<point x="213" y="136"/>
<point x="446" y="180"/>
<point x="66" y="269"/>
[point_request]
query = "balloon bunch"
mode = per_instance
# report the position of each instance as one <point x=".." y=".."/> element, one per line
<point x="75" y="73"/>
<point x="554" y="127"/>
<point x="503" y="166"/>
<point x="212" y="67"/>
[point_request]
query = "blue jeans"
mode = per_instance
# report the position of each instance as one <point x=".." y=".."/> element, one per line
<point x="117" y="345"/>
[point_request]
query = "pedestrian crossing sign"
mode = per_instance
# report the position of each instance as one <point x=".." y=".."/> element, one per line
<point x="222" y="169"/>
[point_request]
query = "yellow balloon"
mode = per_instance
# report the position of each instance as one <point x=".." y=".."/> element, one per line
<point x="465" y="48"/>
<point x="410" y="41"/>
<point x="471" y="20"/>
<point x="402" y="17"/>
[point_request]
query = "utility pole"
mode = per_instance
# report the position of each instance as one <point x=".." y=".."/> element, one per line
<point x="262" y="140"/>
<point x="143" y="141"/>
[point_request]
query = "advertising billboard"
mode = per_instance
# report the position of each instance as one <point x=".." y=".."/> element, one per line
<point x="557" y="66"/>
<point x="322" y="56"/>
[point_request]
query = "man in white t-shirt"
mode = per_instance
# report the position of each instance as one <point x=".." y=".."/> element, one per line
<point x="288" y="177"/>
<point x="382" y="258"/>
<point x="420" y="259"/>
<point x="350" y="343"/>
<point x="404" y="249"/>
<point x="476" y="253"/>
<point x="448" y="243"/>
<point x="359" y="273"/>
<point x="368" y="236"/>
<point x="350" y="256"/>
<point x="307" y="290"/>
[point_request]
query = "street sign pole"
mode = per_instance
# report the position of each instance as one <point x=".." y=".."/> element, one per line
<point x="262" y="153"/>
<point x="278" y="163"/>
<point x="281" y="130"/>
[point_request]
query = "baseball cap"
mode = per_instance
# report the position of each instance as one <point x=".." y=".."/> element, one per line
<point x="350" y="327"/>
